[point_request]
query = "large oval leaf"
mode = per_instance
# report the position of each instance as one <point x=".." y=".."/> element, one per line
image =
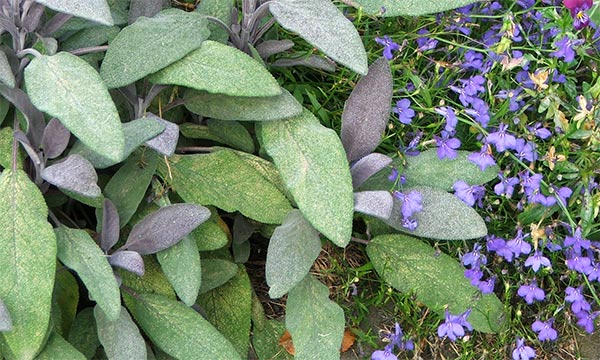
<point x="313" y="165"/>
<point x="150" y="44"/>
<point x="293" y="248"/>
<point x="74" y="174"/>
<point x="69" y="89"/>
<point x="410" y="7"/>
<point x="438" y="280"/>
<point x="219" y="69"/>
<point x="179" y="330"/>
<point x="95" y="10"/>
<point x="229" y="183"/>
<point x="367" y="111"/>
<point x="320" y="23"/>
<point x="28" y="262"/>
<point x="121" y="338"/>
<point x="181" y="265"/>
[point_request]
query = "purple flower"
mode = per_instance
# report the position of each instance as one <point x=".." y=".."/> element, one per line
<point x="468" y="193"/>
<point x="453" y="325"/>
<point x="506" y="186"/>
<point x="577" y="241"/>
<point x="383" y="355"/>
<point x="594" y="272"/>
<point x="393" y="175"/>
<point x="388" y="46"/>
<point x="565" y="49"/>
<point x="502" y="139"/>
<point x="545" y="330"/>
<point x="585" y="319"/>
<point x="450" y="116"/>
<point x="425" y="43"/>
<point x="576" y="261"/>
<point x="522" y="351"/>
<point x="411" y="202"/>
<point x="575" y="297"/>
<point x="447" y="146"/>
<point x="405" y="113"/>
<point x="515" y="101"/>
<point x="479" y="111"/>
<point x="538" y="130"/>
<point x="578" y="8"/>
<point x="525" y="150"/>
<point x="518" y="245"/>
<point x="474" y="275"/>
<point x="474" y="258"/>
<point x="536" y="260"/>
<point x="473" y="61"/>
<point x="483" y="158"/>
<point x="531" y="292"/>
<point x="487" y="286"/>
<point x="498" y="245"/>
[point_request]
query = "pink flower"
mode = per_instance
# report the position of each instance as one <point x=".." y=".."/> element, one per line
<point x="578" y="8"/>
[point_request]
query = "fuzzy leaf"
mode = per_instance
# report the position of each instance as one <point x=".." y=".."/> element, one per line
<point x="179" y="330"/>
<point x="315" y="322"/>
<point x="374" y="203"/>
<point x="367" y="167"/>
<point x="165" y="142"/>
<point x="209" y="236"/>
<point x="224" y="107"/>
<point x="59" y="348"/>
<point x="150" y="44"/>
<point x="131" y="261"/>
<point x="321" y="23"/>
<point x="147" y="8"/>
<point x="74" y="174"/>
<point x="94" y="36"/>
<point x="165" y="227"/>
<point x="411" y="266"/>
<point x="216" y="272"/>
<point x="69" y="89"/>
<point x="181" y="265"/>
<point x="219" y="69"/>
<point x="110" y="226"/>
<point x="293" y="248"/>
<point x="95" y="10"/>
<point x="232" y="133"/>
<point x="6" y="75"/>
<point x="318" y="177"/>
<point x="121" y="338"/>
<point x="83" y="335"/>
<point x="272" y="47"/>
<point x="35" y="118"/>
<point x="225" y="173"/>
<point x="313" y="61"/>
<point x="153" y="281"/>
<point x="65" y="298"/>
<point x="55" y="139"/>
<point x="411" y="7"/>
<point x="28" y="262"/>
<point x="5" y="319"/>
<point x="220" y="9"/>
<point x="367" y="111"/>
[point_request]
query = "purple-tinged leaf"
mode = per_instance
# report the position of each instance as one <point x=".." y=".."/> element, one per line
<point x="35" y="118"/>
<point x="33" y="155"/>
<point x="55" y="139"/>
<point x="313" y="61"/>
<point x="34" y="15"/>
<point x="272" y="47"/>
<point x="74" y="174"/>
<point x="367" y="111"/>
<point x="5" y="320"/>
<point x="165" y="227"/>
<point x="165" y="142"/>
<point x="147" y="8"/>
<point x="243" y="228"/>
<point x="129" y="260"/>
<point x="374" y="203"/>
<point x="367" y="167"/>
<point x="110" y="226"/>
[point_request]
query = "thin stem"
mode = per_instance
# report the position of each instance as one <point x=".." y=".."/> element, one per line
<point x="196" y="149"/>
<point x="89" y="50"/>
<point x="173" y="104"/>
<point x="360" y="241"/>
<point x="54" y="218"/>
<point x="29" y="51"/>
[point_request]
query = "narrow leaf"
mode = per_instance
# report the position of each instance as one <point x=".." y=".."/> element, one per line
<point x="150" y="44"/>
<point x="412" y="8"/>
<point x="318" y="177"/>
<point x="165" y="142"/>
<point x="83" y="335"/>
<point x="181" y="265"/>
<point x="121" y="338"/>
<point x="321" y="23"/>
<point x="93" y="36"/>
<point x="374" y="203"/>
<point x="78" y="251"/>
<point x="69" y="89"/>
<point x="28" y="262"/>
<point x="59" y="348"/>
<point x="6" y="74"/>
<point x="95" y="10"/>
<point x="55" y="139"/>
<point x="216" y="272"/>
<point x="74" y="174"/>
<point x="367" y="111"/>
<point x="110" y="226"/>
<point x="272" y="47"/>
<point x="293" y="248"/>
<point x="35" y="118"/>
<point x="65" y="298"/>
<point x="5" y="320"/>
<point x="436" y="279"/>
<point x="131" y="261"/>
<point x="367" y="167"/>
<point x="313" y="61"/>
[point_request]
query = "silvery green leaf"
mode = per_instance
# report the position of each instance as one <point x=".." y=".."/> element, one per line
<point x="367" y="167"/>
<point x="313" y="61"/>
<point x="293" y="248"/>
<point x="389" y="8"/>
<point x="6" y="75"/>
<point x="121" y="338"/>
<point x="110" y="226"/>
<point x="216" y="272"/>
<point x="220" y="9"/>
<point x="74" y="174"/>
<point x="150" y="44"/>
<point x="165" y="142"/>
<point x="69" y="89"/>
<point x="5" y="320"/>
<point x="165" y="227"/>
<point x="231" y="133"/>
<point x="131" y="261"/>
<point x="367" y="111"/>
<point x="89" y="37"/>
<point x="147" y="8"/>
<point x="272" y="47"/>
<point x="181" y="265"/>
<point x="58" y="348"/>
<point x="321" y="23"/>
<point x="95" y="10"/>
<point x="55" y="139"/>
<point x="374" y="203"/>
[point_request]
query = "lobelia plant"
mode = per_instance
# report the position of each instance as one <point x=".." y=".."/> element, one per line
<point x="177" y="274"/>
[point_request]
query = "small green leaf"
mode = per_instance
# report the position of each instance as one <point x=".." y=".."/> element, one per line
<point x="228" y="183"/>
<point x="83" y="335"/>
<point x="219" y="69"/>
<point x="232" y="133"/>
<point x="220" y="9"/>
<point x="6" y="75"/>
<point x="315" y="322"/>
<point x="179" y="330"/>
<point x="59" y="348"/>
<point x="150" y="44"/>
<point x="224" y="107"/>
<point x="93" y="36"/>
<point x="65" y="299"/>
<point x="410" y="7"/>
<point x="292" y="250"/>
<point x="209" y="236"/>
<point x="28" y="263"/>
<point x="153" y="281"/>
<point x="69" y="89"/>
<point x="79" y="252"/>
<point x="121" y="338"/>
<point x="437" y="280"/>
<point x="216" y="272"/>
<point x="95" y="10"/>
<point x="318" y="177"/>
<point x="181" y="265"/>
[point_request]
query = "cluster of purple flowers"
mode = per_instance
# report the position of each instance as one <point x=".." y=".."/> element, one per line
<point x="397" y="339"/>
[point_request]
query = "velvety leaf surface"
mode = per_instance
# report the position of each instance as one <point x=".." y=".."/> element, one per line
<point x="293" y="248"/>
<point x="153" y="281"/>
<point x="410" y="265"/>
<point x="209" y="236"/>
<point x="147" y="8"/>
<point x="179" y="330"/>
<point x="367" y="111"/>
<point x="224" y="173"/>
<point x="150" y="44"/>
<point x="55" y="139"/>
<point x="110" y="226"/>
<point x="367" y="167"/>
<point x="79" y="252"/>
<point x="74" y="174"/>
<point x="220" y="9"/>
<point x="94" y="36"/>
<point x="428" y="170"/>
<point x="229" y="307"/>
<point x="272" y="47"/>
<point x="58" y="348"/>
<point x="5" y="320"/>
<point x="6" y="145"/>
<point x="83" y="335"/>
<point x="443" y="217"/>
<point x="28" y="262"/>
<point x="69" y="89"/>
<point x="216" y="272"/>
<point x="65" y="298"/>
<point x="219" y="69"/>
<point x="320" y="23"/>
<point x="131" y="261"/>
<point x="224" y="107"/>
<point x="318" y="177"/>
<point x="95" y="10"/>
<point x="408" y="7"/>
<point x="121" y="338"/>
<point x="313" y="61"/>
<point x="315" y="322"/>
<point x="266" y="334"/>
<point x="6" y="75"/>
<point x="374" y="203"/>
<point x="165" y="142"/>
<point x="232" y="133"/>
<point x="181" y="265"/>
